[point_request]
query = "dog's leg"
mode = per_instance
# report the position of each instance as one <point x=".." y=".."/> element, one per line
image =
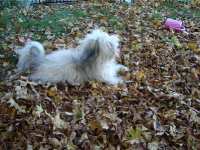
<point x="121" y="67"/>
<point x="109" y="73"/>
<point x="111" y="77"/>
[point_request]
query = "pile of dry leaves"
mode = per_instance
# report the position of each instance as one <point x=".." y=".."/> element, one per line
<point x="159" y="108"/>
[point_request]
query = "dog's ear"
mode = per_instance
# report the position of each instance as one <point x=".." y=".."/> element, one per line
<point x="91" y="51"/>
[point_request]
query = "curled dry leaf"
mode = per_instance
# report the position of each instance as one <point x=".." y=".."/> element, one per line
<point x="13" y="103"/>
<point x="38" y="110"/>
<point x="57" y="121"/>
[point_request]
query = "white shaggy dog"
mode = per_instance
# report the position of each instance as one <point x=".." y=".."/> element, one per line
<point x="93" y="59"/>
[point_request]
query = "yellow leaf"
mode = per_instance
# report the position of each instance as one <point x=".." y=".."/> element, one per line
<point x="134" y="134"/>
<point x="136" y="46"/>
<point x="193" y="46"/>
<point x="52" y="92"/>
<point x="140" y="75"/>
<point x="156" y="23"/>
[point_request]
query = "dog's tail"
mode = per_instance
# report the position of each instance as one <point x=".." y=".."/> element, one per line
<point x="30" y="56"/>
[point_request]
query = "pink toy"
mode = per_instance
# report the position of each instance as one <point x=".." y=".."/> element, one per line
<point x="174" y="25"/>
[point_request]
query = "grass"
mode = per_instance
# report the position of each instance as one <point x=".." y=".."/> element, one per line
<point x="179" y="10"/>
<point x="61" y="21"/>
<point x="58" y="22"/>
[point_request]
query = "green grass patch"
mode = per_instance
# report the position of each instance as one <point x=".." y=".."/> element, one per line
<point x="179" y="9"/>
<point x="156" y="15"/>
<point x="58" y="22"/>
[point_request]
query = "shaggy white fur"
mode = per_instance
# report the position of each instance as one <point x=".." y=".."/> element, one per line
<point x="93" y="59"/>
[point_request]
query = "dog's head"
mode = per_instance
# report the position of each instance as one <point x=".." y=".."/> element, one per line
<point x="99" y="44"/>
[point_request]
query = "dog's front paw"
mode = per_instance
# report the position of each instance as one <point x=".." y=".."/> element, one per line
<point x="122" y="68"/>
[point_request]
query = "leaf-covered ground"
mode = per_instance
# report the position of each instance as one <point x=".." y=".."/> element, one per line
<point x="158" y="108"/>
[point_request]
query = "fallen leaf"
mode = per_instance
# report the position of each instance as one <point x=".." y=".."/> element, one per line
<point x="134" y="134"/>
<point x="57" y="121"/>
<point x="13" y="103"/>
<point x="140" y="75"/>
